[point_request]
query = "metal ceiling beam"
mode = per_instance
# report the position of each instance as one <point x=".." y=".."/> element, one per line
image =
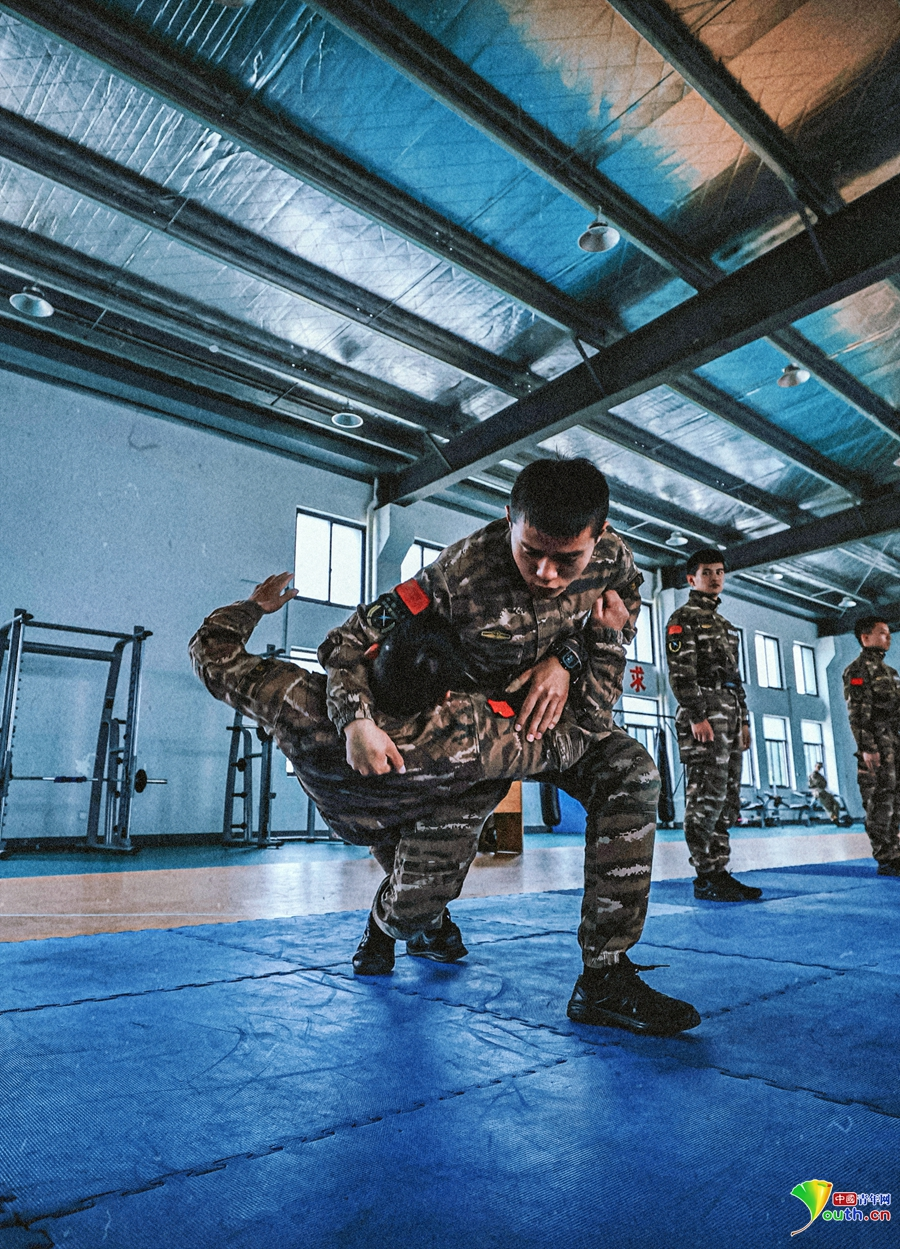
<point x="850" y="525"/>
<point x="837" y="379"/>
<point x="860" y="246"/>
<point x="139" y="55"/>
<point x="105" y="286"/>
<point x="707" y="396"/>
<point x="664" y="30"/>
<point x="178" y="216"/>
<point x="36" y="353"/>
<point x="389" y="33"/>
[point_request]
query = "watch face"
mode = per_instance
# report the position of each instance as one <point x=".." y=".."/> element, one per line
<point x="569" y="660"/>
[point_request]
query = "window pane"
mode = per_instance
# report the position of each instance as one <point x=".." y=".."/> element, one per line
<point x="311" y="557"/>
<point x="412" y="562"/>
<point x="346" y="564"/>
<point x="776" y="757"/>
<point x="775" y="728"/>
<point x="742" y="662"/>
<point x="773" y="660"/>
<point x="811" y="732"/>
<point x="809" y="669"/>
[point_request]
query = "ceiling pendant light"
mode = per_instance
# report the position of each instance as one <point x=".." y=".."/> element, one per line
<point x="600" y="236"/>
<point x="346" y="420"/>
<point x="31" y="303"/>
<point x="846" y="602"/>
<point x="793" y="375"/>
<point x="676" y="539"/>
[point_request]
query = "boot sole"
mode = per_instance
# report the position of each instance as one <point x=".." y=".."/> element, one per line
<point x="437" y="958"/>
<point x="609" y="1019"/>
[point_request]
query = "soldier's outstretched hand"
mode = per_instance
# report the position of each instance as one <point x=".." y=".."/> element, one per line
<point x="548" y="689"/>
<point x="609" y="611"/>
<point x="272" y="594"/>
<point x="703" y="732"/>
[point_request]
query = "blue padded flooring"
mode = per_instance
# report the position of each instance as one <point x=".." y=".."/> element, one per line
<point x="233" y="1086"/>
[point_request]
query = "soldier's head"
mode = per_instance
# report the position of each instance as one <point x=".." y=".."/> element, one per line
<point x="873" y="632"/>
<point x="705" y="571"/>
<point x="557" y="511"/>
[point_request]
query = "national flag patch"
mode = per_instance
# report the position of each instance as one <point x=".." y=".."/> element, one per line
<point x="501" y="708"/>
<point x="857" y="681"/>
<point x="674" y="629"/>
<point x="412" y="594"/>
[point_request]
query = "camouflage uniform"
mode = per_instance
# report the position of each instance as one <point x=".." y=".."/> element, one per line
<point x="702" y="652"/>
<point x="872" y="691"/>
<point x="819" y="787"/>
<point x="476" y="586"/>
<point x="459" y="756"/>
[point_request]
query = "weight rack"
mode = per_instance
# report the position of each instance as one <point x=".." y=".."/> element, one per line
<point x="115" y="775"/>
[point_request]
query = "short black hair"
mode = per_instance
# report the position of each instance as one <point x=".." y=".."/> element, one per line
<point x="561" y="497"/>
<point x="709" y="555"/>
<point x="866" y="624"/>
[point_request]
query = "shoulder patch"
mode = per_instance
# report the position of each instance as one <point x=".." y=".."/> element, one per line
<point x="383" y="614"/>
<point x="857" y="681"/>
<point x="412" y="595"/>
<point x="501" y="708"/>
<point x="673" y="646"/>
<point x="675" y="629"/>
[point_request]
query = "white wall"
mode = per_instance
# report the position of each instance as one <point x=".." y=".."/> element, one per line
<point x="112" y="517"/>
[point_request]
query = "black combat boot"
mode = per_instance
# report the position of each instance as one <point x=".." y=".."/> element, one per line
<point x="444" y="944"/>
<point x="375" y="953"/>
<point x="891" y="868"/>
<point x="615" y="996"/>
<point x="722" y="887"/>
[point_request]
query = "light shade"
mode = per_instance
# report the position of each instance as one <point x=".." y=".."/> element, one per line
<point x="847" y="602"/>
<point x="346" y="420"/>
<point x="676" y="539"/>
<point x="599" y="237"/>
<point x="31" y="303"/>
<point x="793" y="375"/>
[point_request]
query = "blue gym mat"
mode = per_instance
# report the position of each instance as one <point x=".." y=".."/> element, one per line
<point x="234" y="1086"/>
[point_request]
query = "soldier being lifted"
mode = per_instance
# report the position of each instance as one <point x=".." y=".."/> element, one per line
<point x="712" y="725"/>
<point x="872" y="691"/>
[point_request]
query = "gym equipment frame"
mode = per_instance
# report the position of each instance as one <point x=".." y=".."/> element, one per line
<point x="115" y="776"/>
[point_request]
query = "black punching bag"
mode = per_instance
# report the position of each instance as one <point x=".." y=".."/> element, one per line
<point x="550" y="812"/>
<point x="666" y="807"/>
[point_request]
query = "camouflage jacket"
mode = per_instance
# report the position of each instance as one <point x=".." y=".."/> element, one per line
<point x="702" y="653"/>
<point x="816" y="780"/>
<point x="872" y="691"/>
<point x="475" y="585"/>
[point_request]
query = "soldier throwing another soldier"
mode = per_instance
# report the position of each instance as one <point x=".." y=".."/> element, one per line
<point x="872" y="691"/>
<point x="712" y="725"/>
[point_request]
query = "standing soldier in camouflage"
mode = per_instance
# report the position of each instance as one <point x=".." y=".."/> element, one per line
<point x="545" y="600"/>
<point x="872" y="691"/>
<point x="712" y="724"/>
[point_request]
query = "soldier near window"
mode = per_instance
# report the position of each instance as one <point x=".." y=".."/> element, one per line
<point x="872" y="691"/>
<point x="712" y="724"/>
<point x="819" y="786"/>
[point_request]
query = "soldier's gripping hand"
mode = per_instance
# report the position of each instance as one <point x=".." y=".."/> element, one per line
<point x="703" y="732"/>
<point x="609" y="611"/>
<point x="272" y="594"/>
<point x="548" y="689"/>
<point x="872" y="760"/>
<point x="370" y="751"/>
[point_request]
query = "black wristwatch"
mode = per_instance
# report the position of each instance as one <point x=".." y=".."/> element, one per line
<point x="568" y="654"/>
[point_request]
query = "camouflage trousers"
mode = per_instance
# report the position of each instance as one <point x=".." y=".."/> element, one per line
<point x="880" y="792"/>
<point x="828" y="802"/>
<point x="712" y="797"/>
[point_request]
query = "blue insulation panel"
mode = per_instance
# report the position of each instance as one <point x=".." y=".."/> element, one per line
<point x="287" y="1103"/>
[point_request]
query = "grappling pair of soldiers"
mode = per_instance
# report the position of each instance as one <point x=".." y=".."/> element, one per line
<point x="541" y="607"/>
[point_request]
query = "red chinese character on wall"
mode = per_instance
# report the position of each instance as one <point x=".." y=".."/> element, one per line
<point x="637" y="679"/>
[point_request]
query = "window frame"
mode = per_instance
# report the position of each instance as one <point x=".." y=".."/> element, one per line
<point x="763" y="671"/>
<point x="424" y="546"/>
<point x="801" y="648"/>
<point x="787" y="756"/>
<point x="343" y="523"/>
